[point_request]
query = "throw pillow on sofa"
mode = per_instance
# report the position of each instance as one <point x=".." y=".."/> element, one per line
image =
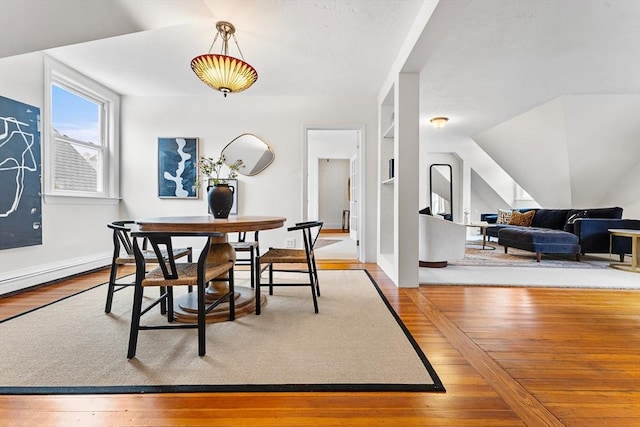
<point x="503" y="216"/>
<point x="572" y="219"/>
<point x="522" y="219"/>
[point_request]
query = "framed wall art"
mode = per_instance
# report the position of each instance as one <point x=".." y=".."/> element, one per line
<point x="177" y="168"/>
<point x="20" y="172"/>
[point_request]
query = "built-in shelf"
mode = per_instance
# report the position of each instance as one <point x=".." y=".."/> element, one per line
<point x="387" y="189"/>
<point x="389" y="132"/>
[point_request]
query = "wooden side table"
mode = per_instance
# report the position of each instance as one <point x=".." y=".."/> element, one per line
<point x="483" y="227"/>
<point x="634" y="235"/>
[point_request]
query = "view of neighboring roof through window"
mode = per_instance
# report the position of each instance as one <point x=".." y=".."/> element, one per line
<point x="81" y="128"/>
<point x="76" y="130"/>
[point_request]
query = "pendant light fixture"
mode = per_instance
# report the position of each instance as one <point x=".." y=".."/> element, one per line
<point x="221" y="71"/>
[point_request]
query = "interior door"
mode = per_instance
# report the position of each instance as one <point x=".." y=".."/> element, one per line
<point x="353" y="200"/>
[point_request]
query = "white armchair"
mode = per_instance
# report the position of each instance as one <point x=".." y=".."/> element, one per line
<point x="440" y="241"/>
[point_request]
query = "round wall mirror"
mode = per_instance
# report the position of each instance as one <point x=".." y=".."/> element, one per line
<point x="255" y="154"/>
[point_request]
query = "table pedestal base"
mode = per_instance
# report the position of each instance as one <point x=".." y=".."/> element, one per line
<point x="244" y="299"/>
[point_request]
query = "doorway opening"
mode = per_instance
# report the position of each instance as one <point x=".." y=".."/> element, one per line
<point x="332" y="190"/>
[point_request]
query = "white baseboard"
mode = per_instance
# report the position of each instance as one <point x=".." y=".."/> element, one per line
<point x="15" y="280"/>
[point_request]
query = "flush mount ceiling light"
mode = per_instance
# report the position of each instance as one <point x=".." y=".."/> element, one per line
<point x="439" y="122"/>
<point x="221" y="71"/>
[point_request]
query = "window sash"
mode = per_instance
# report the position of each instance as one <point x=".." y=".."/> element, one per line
<point x="80" y="174"/>
<point x="103" y="181"/>
<point x="98" y="103"/>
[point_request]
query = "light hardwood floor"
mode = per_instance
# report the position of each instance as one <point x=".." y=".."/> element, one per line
<point x="507" y="356"/>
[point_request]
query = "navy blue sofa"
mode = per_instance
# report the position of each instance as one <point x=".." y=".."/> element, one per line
<point x="591" y="226"/>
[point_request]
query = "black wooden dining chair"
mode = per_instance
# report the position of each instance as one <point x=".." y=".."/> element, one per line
<point x="123" y="255"/>
<point x="305" y="258"/>
<point x="246" y="252"/>
<point x="168" y="274"/>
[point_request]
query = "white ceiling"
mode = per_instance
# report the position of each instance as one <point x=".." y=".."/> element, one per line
<point x="297" y="47"/>
<point x="500" y="59"/>
<point x="485" y="61"/>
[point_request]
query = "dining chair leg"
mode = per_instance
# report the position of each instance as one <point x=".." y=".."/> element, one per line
<point x="190" y="259"/>
<point x="270" y="279"/>
<point x="163" y="302"/>
<point x="111" y="288"/>
<point x="169" y="303"/>
<point x="135" y="321"/>
<point x="252" y="261"/>
<point x="257" y="291"/>
<point x="232" y="296"/>
<point x="315" y="275"/>
<point x="312" y="284"/>
<point x="201" y="321"/>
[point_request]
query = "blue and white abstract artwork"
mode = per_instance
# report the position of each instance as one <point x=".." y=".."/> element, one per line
<point x="177" y="167"/>
<point x="20" y="175"/>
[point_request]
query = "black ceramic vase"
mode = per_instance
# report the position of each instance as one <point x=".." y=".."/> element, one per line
<point x="220" y="200"/>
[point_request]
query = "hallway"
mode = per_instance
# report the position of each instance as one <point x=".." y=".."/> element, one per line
<point x="335" y="245"/>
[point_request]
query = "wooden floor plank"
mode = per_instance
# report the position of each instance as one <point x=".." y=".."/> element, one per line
<point x="507" y="356"/>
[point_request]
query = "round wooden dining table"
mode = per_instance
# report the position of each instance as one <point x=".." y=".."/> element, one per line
<point x="220" y="251"/>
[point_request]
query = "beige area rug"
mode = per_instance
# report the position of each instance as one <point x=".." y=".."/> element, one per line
<point x="495" y="257"/>
<point x="321" y="243"/>
<point x="356" y="343"/>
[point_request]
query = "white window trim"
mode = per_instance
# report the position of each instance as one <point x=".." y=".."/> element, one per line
<point x="56" y="72"/>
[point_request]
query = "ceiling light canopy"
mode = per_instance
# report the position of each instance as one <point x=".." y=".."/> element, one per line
<point x="221" y="71"/>
<point x="439" y="122"/>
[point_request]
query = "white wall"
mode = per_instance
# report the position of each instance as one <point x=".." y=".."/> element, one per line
<point x="279" y="121"/>
<point x="575" y="151"/>
<point x="333" y="191"/>
<point x="74" y="236"/>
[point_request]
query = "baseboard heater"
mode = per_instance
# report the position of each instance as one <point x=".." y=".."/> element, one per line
<point x="16" y="280"/>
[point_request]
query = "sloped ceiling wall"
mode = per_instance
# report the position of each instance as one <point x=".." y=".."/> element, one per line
<point x="29" y="26"/>
<point x="603" y="144"/>
<point x="572" y="151"/>
<point x="484" y="198"/>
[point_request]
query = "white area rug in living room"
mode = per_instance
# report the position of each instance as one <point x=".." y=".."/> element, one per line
<point x="560" y="271"/>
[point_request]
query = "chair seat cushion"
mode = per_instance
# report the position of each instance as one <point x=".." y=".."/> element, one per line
<point x="150" y="256"/>
<point x="187" y="274"/>
<point x="284" y="256"/>
<point x="243" y="246"/>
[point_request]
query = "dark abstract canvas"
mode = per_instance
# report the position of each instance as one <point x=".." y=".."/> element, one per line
<point x="20" y="175"/>
<point x="177" y="167"/>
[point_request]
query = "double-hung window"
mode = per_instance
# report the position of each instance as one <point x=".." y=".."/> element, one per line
<point x="81" y="134"/>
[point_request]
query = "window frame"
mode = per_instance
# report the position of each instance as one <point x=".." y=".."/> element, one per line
<point x="521" y="194"/>
<point x="75" y="82"/>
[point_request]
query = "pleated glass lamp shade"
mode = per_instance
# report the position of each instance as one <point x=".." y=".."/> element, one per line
<point x="224" y="73"/>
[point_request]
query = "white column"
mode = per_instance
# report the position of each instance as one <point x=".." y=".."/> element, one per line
<point x="406" y="197"/>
